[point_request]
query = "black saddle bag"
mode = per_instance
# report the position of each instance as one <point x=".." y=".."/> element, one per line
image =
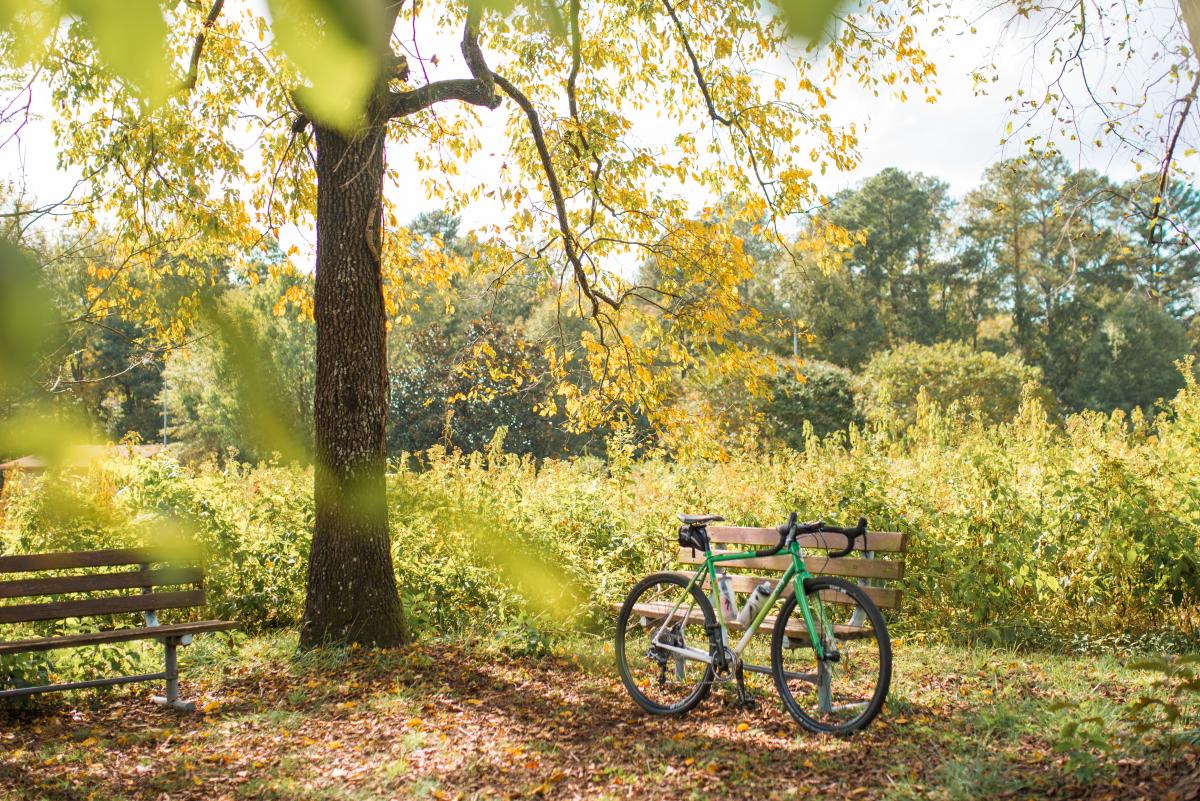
<point x="694" y="537"/>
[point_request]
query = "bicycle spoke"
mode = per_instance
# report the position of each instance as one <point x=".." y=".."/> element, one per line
<point x="833" y="691"/>
<point x="663" y="646"/>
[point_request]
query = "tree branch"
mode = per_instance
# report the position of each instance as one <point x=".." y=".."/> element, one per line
<point x="193" y="71"/>
<point x="594" y="295"/>
<point x="479" y="90"/>
<point x="576" y="60"/>
<point x="691" y="54"/>
<point x="468" y="90"/>
<point x="573" y="108"/>
<point x="1169" y="157"/>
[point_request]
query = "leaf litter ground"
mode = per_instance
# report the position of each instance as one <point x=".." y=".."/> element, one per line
<point x="451" y="720"/>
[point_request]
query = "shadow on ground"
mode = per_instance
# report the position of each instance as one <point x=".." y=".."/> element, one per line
<point x="448" y="722"/>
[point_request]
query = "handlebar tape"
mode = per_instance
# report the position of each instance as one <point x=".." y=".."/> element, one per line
<point x="851" y="535"/>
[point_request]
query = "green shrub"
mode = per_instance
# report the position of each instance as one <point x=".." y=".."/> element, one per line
<point x="1130" y="360"/>
<point x="948" y="373"/>
<point x="1027" y="532"/>
<point x="824" y="399"/>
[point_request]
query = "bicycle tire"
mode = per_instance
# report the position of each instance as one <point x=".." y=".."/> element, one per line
<point x="884" y="674"/>
<point x="703" y="686"/>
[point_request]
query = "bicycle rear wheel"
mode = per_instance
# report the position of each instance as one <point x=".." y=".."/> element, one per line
<point x="658" y="612"/>
<point x="844" y="691"/>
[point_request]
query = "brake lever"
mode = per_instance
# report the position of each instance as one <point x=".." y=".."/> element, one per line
<point x="783" y="530"/>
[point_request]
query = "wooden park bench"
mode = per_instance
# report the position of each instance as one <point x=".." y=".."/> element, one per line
<point x="155" y="585"/>
<point x="871" y="571"/>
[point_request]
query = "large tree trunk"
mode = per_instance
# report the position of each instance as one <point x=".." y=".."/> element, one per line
<point x="351" y="584"/>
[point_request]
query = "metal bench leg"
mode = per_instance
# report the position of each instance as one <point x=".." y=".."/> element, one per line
<point x="859" y="618"/>
<point x="171" y="644"/>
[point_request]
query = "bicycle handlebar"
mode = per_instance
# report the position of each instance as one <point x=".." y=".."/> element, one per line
<point x="783" y="530"/>
<point x="851" y="535"/>
<point x="791" y="528"/>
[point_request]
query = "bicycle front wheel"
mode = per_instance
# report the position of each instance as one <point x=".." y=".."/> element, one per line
<point x="843" y="691"/>
<point x="659" y="625"/>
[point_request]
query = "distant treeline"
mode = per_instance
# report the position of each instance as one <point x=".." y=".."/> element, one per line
<point x="1042" y="279"/>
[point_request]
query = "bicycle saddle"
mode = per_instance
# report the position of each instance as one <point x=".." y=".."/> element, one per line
<point x="698" y="520"/>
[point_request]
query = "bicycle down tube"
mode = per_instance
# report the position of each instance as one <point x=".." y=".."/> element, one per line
<point x="796" y="572"/>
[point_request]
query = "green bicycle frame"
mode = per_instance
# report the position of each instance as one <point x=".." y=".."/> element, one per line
<point x="796" y="574"/>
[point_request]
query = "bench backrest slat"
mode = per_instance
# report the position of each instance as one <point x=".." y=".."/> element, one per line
<point x="882" y="541"/>
<point x="116" y="604"/>
<point x="884" y="597"/>
<point x="63" y="561"/>
<point x="857" y="568"/>
<point x="92" y="582"/>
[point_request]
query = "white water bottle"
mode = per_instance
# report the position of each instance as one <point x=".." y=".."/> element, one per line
<point x="729" y="607"/>
<point x="754" y="603"/>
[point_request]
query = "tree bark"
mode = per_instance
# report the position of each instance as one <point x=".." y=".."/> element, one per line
<point x="352" y="595"/>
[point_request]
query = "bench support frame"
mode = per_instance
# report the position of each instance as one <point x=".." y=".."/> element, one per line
<point x="21" y="692"/>
<point x="171" y="675"/>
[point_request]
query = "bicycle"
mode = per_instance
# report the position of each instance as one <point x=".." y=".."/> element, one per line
<point x="832" y="670"/>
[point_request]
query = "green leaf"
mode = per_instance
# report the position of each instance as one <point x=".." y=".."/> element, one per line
<point x="337" y="47"/>
<point x="809" y="19"/>
<point x="131" y="37"/>
<point x="26" y="316"/>
<point x="545" y="12"/>
<point x="29" y="22"/>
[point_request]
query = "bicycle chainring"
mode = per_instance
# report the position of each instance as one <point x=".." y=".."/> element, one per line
<point x="725" y="669"/>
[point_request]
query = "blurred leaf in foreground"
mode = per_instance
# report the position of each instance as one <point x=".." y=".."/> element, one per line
<point x="29" y="22"/>
<point x="809" y="19"/>
<point x="545" y="12"/>
<point x="337" y="47"/>
<point x="269" y="424"/>
<point x="493" y="542"/>
<point x="26" y="315"/>
<point x="132" y="39"/>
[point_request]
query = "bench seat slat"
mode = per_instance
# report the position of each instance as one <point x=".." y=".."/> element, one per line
<point x="656" y="610"/>
<point x="90" y="582"/>
<point x="817" y="565"/>
<point x="884" y="597"/>
<point x="882" y="541"/>
<point x="29" y="563"/>
<point x="58" y="610"/>
<point x="116" y="635"/>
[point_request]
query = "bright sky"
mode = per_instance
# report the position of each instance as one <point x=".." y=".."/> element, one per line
<point x="954" y="139"/>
